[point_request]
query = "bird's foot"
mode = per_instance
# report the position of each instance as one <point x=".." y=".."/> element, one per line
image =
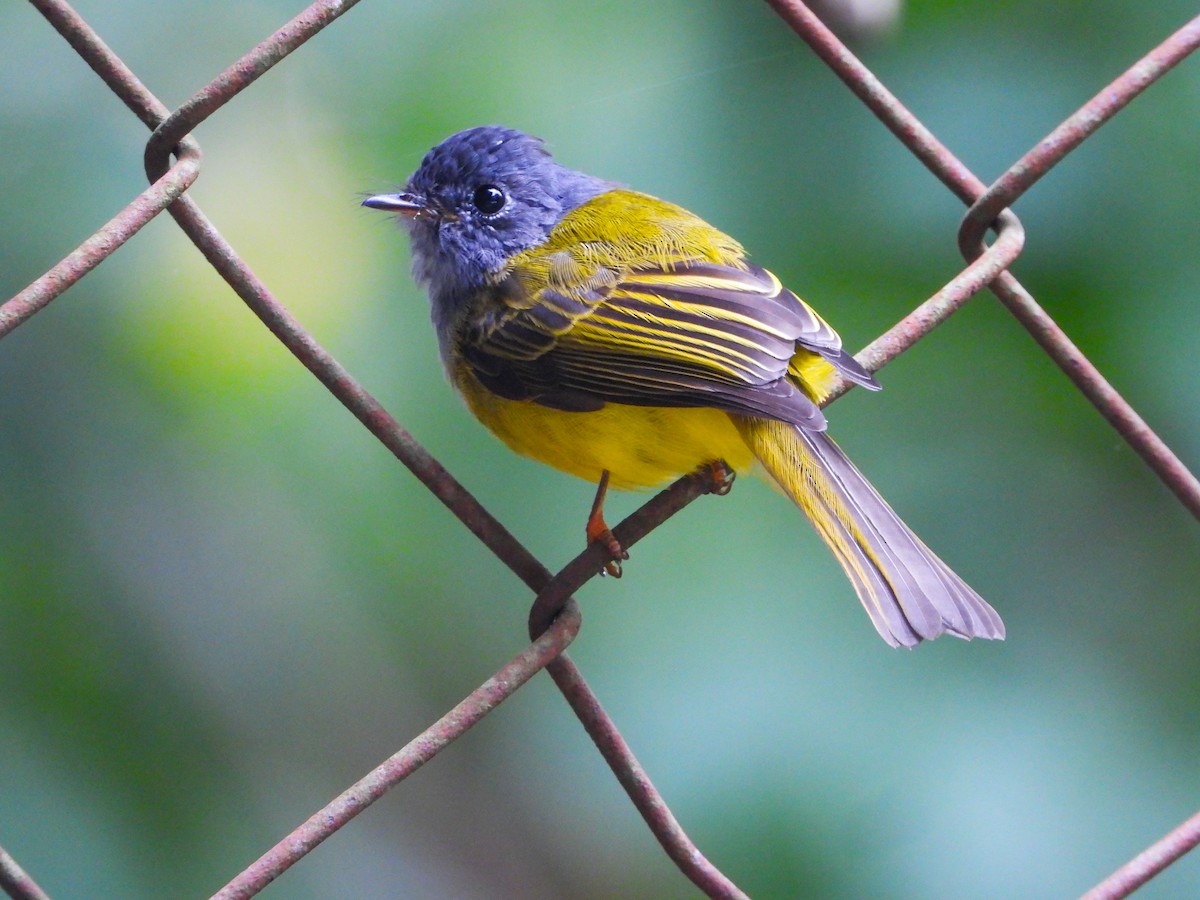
<point x="719" y="475"/>
<point x="598" y="532"/>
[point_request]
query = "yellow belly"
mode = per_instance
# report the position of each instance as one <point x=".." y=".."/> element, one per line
<point x="640" y="446"/>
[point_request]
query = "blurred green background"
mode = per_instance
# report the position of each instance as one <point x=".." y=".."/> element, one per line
<point x="221" y="600"/>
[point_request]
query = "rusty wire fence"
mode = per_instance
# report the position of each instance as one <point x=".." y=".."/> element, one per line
<point x="172" y="162"/>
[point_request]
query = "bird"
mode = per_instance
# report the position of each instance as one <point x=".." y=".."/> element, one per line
<point x="622" y="339"/>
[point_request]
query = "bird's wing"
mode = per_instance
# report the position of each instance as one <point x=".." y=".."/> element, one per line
<point x="685" y="334"/>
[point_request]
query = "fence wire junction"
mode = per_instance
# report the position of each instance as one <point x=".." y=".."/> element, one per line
<point x="172" y="162"/>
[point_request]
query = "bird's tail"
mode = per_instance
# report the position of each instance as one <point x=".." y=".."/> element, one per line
<point x="908" y="592"/>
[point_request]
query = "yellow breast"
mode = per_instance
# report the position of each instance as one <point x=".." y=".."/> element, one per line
<point x="640" y="446"/>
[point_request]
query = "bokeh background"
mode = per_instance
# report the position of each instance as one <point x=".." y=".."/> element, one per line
<point x="221" y="600"/>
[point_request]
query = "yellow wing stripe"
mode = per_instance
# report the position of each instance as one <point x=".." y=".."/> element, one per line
<point x="647" y="341"/>
<point x="708" y="282"/>
<point x="664" y="335"/>
<point x="683" y="283"/>
<point x="696" y="313"/>
<point x="695" y="316"/>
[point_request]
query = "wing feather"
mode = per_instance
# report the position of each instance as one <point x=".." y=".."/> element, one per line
<point x="577" y="329"/>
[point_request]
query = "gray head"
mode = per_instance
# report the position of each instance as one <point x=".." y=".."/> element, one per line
<point x="479" y="197"/>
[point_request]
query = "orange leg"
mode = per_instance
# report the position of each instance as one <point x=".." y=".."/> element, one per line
<point x="599" y="532"/>
<point x="719" y="475"/>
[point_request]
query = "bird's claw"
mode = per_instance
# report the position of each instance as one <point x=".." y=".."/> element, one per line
<point x="719" y="475"/>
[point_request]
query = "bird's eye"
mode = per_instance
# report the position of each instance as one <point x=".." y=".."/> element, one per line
<point x="489" y="199"/>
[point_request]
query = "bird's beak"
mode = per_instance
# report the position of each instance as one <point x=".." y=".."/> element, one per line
<point x="410" y="206"/>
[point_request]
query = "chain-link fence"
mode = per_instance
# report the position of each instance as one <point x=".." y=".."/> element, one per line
<point x="172" y="163"/>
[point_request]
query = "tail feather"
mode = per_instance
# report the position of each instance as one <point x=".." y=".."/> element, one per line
<point x="908" y="592"/>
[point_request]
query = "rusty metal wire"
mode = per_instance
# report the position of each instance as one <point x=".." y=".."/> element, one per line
<point x="161" y="194"/>
<point x="554" y="618"/>
<point x="323" y="823"/>
<point x="1149" y="862"/>
<point x="339" y="381"/>
<point x="987" y="205"/>
<point x="1021" y="176"/>
<point x="16" y="882"/>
